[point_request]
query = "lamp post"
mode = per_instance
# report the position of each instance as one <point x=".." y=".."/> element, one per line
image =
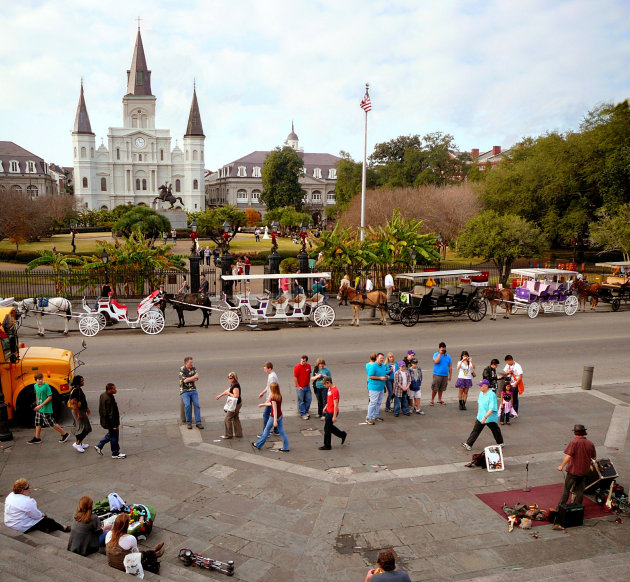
<point x="73" y="228"/>
<point x="413" y="254"/>
<point x="226" y="260"/>
<point x="193" y="259"/>
<point x="105" y="259"/>
<point x="274" y="259"/>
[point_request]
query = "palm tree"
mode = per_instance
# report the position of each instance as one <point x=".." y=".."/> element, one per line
<point x="60" y="263"/>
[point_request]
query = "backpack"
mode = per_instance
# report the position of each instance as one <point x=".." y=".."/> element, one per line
<point x="478" y="460"/>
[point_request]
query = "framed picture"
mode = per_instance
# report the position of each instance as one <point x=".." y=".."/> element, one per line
<point x="494" y="458"/>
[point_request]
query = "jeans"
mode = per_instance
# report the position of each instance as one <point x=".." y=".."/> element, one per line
<point x="261" y="441"/>
<point x="112" y="438"/>
<point x="330" y="428"/>
<point x="476" y="431"/>
<point x="577" y="483"/>
<point x="389" y="384"/>
<point x="266" y="415"/>
<point x="320" y="394"/>
<point x="376" y="397"/>
<point x="514" y="390"/>
<point x="303" y="399"/>
<point x="404" y="400"/>
<point x="191" y="397"/>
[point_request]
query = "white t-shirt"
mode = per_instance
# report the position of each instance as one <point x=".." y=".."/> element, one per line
<point x="271" y="377"/>
<point x="515" y="369"/>
<point x="389" y="280"/>
<point x="20" y="512"/>
<point x="464" y="370"/>
<point x="126" y="541"/>
<point x="369" y="286"/>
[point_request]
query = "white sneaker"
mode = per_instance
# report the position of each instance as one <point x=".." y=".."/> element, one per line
<point x="119" y="456"/>
<point x="78" y="448"/>
<point x="85" y="446"/>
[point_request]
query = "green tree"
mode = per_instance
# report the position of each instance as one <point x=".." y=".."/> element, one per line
<point x="60" y="264"/>
<point x="287" y="217"/>
<point x="612" y="231"/>
<point x="501" y="239"/>
<point x="281" y="179"/>
<point x="342" y="248"/>
<point x="348" y="185"/>
<point x="210" y="223"/>
<point x="143" y="219"/>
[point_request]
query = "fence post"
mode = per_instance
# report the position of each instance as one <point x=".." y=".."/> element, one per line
<point x="28" y="293"/>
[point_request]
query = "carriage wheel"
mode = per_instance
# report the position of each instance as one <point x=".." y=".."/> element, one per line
<point x="477" y="309"/>
<point x="89" y="325"/>
<point x="324" y="315"/>
<point x="533" y="310"/>
<point x="409" y="316"/>
<point x="571" y="305"/>
<point x="102" y="320"/>
<point x="152" y="322"/>
<point x="230" y="320"/>
<point x="615" y="304"/>
<point x="394" y="310"/>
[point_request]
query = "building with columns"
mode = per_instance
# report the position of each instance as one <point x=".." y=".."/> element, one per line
<point x="239" y="183"/>
<point x="138" y="158"/>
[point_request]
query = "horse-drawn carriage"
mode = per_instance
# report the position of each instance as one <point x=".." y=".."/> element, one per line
<point x="615" y="288"/>
<point x="548" y="290"/>
<point x="252" y="308"/>
<point x="436" y="293"/>
<point x="150" y="318"/>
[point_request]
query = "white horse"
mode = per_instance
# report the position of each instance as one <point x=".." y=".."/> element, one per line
<point x="54" y="305"/>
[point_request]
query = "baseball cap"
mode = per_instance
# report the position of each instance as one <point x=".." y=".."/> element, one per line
<point x="483" y="383"/>
<point x="411" y="353"/>
<point x="402" y="364"/>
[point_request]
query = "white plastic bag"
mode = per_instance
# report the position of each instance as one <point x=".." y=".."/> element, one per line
<point x="133" y="565"/>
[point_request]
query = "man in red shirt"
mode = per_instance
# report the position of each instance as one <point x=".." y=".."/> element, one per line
<point x="577" y="460"/>
<point x="302" y="379"/>
<point x="331" y="411"/>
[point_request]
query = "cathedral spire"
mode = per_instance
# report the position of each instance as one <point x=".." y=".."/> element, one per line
<point x="82" y="119"/>
<point x="194" y="127"/>
<point x="138" y="76"/>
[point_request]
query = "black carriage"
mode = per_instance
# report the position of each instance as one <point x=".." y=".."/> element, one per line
<point x="615" y="288"/>
<point x="437" y="293"/>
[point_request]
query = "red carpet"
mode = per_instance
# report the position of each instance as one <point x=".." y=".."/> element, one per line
<point x="545" y="497"/>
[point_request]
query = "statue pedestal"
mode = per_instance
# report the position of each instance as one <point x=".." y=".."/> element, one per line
<point x="177" y="217"/>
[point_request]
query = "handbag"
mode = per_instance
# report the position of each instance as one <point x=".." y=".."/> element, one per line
<point x="73" y="402"/>
<point x="230" y="405"/>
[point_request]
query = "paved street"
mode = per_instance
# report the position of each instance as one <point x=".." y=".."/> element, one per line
<point x="323" y="515"/>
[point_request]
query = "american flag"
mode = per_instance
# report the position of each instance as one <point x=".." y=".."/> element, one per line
<point x="366" y="104"/>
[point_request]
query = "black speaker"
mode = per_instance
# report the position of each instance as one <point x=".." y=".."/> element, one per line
<point x="570" y="515"/>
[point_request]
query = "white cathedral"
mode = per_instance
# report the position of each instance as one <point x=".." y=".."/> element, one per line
<point x="139" y="158"/>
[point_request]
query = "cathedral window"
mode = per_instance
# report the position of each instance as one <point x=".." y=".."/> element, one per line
<point x="15" y="166"/>
<point x="332" y="174"/>
<point x="137" y="184"/>
<point x="144" y="121"/>
<point x="32" y="191"/>
<point x="241" y="195"/>
<point x="195" y="184"/>
<point x="16" y="188"/>
<point x="242" y="172"/>
<point x="103" y="185"/>
<point x="117" y="153"/>
<point x="139" y="157"/>
<point x="201" y="155"/>
<point x="161" y="155"/>
<point x="75" y="152"/>
<point x="256" y="172"/>
<point x="178" y="186"/>
<point x="83" y="153"/>
<point x="91" y="152"/>
<point x="195" y="155"/>
<point x="187" y="155"/>
<point x="85" y="182"/>
<point x="144" y="183"/>
<point x="134" y="121"/>
<point x="316" y="196"/>
<point x="139" y="78"/>
<point x="317" y="173"/>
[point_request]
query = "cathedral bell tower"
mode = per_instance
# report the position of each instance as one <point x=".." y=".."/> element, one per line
<point x="139" y="102"/>
<point x="194" y="158"/>
<point x="84" y="143"/>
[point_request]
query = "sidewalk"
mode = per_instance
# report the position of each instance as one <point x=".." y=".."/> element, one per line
<point x="313" y="515"/>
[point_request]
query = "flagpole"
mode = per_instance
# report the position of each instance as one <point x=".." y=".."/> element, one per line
<point x="364" y="173"/>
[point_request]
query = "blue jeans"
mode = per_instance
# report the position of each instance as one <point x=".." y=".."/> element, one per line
<point x="261" y="441"/>
<point x="303" y="399"/>
<point x="112" y="438"/>
<point x="376" y="397"/>
<point x="191" y="397"/>
<point x="405" y="404"/>
<point x="266" y="415"/>
<point x="390" y="394"/>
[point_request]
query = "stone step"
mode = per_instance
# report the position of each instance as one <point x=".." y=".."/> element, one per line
<point x="175" y="570"/>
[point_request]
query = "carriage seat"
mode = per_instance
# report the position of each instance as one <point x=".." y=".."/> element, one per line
<point x="467" y="289"/>
<point x="115" y="303"/>
<point x="615" y="281"/>
<point x="421" y="290"/>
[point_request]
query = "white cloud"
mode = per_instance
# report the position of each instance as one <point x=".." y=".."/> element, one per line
<point x="488" y="72"/>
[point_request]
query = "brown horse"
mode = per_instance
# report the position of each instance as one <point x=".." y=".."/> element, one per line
<point x="503" y="297"/>
<point x="585" y="290"/>
<point x="359" y="300"/>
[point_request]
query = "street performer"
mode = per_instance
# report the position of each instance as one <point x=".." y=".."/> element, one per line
<point x="577" y="460"/>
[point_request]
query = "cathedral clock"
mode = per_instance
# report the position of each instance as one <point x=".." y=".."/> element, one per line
<point x="139" y="142"/>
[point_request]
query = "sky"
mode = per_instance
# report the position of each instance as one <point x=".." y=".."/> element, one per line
<point x="486" y="72"/>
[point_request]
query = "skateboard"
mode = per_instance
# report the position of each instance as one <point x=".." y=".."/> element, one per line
<point x="189" y="558"/>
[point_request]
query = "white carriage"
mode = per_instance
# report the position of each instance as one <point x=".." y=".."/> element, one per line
<point x="252" y="308"/>
<point x="150" y="319"/>
<point x="546" y="290"/>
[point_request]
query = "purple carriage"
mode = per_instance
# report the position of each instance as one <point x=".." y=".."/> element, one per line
<point x="549" y="290"/>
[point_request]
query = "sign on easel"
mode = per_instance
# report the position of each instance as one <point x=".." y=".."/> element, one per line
<point x="494" y="458"/>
